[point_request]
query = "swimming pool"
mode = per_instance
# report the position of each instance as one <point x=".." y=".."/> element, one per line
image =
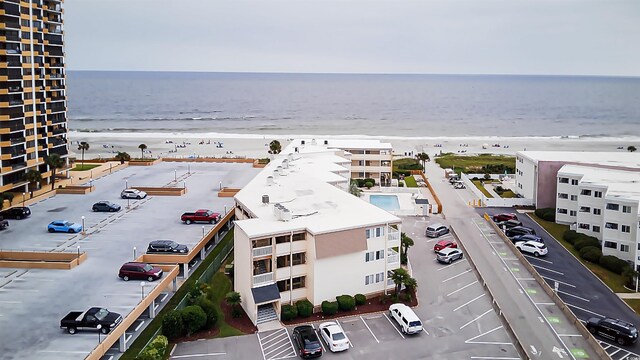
<point x="385" y="202"/>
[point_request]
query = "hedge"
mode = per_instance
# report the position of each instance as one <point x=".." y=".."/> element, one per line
<point x="156" y="349"/>
<point x="194" y="318"/>
<point x="360" y="299"/>
<point x="570" y="236"/>
<point x="591" y="253"/>
<point x="172" y="325"/>
<point x="305" y="308"/>
<point x="585" y="241"/>
<point x="346" y="302"/>
<point x="288" y="312"/>
<point x="329" y="307"/>
<point x="614" y="264"/>
<point x="209" y="309"/>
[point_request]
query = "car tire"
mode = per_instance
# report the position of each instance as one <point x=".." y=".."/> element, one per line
<point x="139" y="197"/>
<point x="536" y="254"/>
<point x="94" y="209"/>
<point x="51" y="230"/>
<point x="449" y="261"/>
<point x="188" y="222"/>
<point x="71" y="330"/>
<point x="125" y="278"/>
<point x="460" y="257"/>
<point x="71" y="231"/>
<point x="621" y="341"/>
<point x="150" y="279"/>
<point x="105" y="330"/>
<point x="122" y="196"/>
<point x="112" y="210"/>
<point x="210" y="221"/>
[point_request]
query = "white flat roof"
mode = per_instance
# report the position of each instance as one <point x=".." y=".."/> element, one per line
<point x="314" y="204"/>
<point x="622" y="159"/>
<point x="620" y="184"/>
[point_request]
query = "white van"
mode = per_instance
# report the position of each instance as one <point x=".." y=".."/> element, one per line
<point x="406" y="318"/>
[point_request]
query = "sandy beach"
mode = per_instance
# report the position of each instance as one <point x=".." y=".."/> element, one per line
<point x="181" y="145"/>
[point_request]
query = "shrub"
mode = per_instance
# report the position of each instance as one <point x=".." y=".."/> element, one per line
<point x="360" y="299"/>
<point x="403" y="258"/>
<point x="487" y="176"/>
<point x="172" y="325"/>
<point x="360" y="182"/>
<point x="8" y="196"/>
<point x="570" y="236"/>
<point x="614" y="264"/>
<point x="549" y="216"/>
<point x="210" y="310"/>
<point x="156" y="349"/>
<point x="288" y="312"/>
<point x="194" y="318"/>
<point x="385" y="299"/>
<point x="584" y="241"/>
<point x="400" y="184"/>
<point x="373" y="181"/>
<point x="368" y="184"/>
<point x="305" y="308"/>
<point x="329" y="307"/>
<point x="591" y="254"/>
<point x="346" y="302"/>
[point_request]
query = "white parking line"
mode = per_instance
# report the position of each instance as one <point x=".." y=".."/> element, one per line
<point x="372" y="334"/>
<point x="575" y="296"/>
<point x="537" y="258"/>
<point x="394" y="327"/>
<point x="468" y="302"/>
<point x="585" y="310"/>
<point x="470" y="341"/>
<point x="455" y="263"/>
<point x="321" y="344"/>
<point x="570" y="335"/>
<point x="558" y="281"/>
<point x="477" y="318"/>
<point x="494" y="358"/>
<point x="462" y="288"/>
<point x="340" y="325"/>
<point x="138" y="327"/>
<point x="455" y="276"/>
<point x="544" y="268"/>
<point x="261" y="350"/>
<point x="196" y="355"/>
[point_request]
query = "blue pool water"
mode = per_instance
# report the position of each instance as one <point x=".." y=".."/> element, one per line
<point x="385" y="202"/>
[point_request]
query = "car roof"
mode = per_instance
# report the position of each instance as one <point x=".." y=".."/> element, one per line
<point x="135" y="263"/>
<point x="534" y="243"/>
<point x="434" y="226"/>
<point x="332" y="327"/>
<point x="407" y="312"/>
<point x="446" y="251"/>
<point x="445" y="241"/>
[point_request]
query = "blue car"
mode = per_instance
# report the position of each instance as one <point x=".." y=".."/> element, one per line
<point x="64" y="226"/>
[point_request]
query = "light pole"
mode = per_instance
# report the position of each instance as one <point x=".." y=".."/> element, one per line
<point x="202" y="230"/>
<point x="225" y="209"/>
<point x="175" y="175"/>
<point x="126" y="184"/>
<point x="90" y="182"/>
<point x="99" y="327"/>
<point x="220" y="185"/>
<point x="23" y="195"/>
<point x="134" y="253"/>
<point x="142" y="284"/>
<point x="188" y="168"/>
<point x="83" y="229"/>
<point x="78" y="254"/>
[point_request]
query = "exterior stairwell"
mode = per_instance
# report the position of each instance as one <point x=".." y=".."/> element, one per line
<point x="266" y="313"/>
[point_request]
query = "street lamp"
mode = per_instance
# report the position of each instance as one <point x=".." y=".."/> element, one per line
<point x="99" y="327"/>
<point x="23" y="195"/>
<point x="142" y="284"/>
<point x="126" y="184"/>
<point x="134" y="253"/>
<point x="83" y="229"/>
<point x="220" y="185"/>
<point x="90" y="182"/>
<point x="78" y="254"/>
<point x="202" y="230"/>
<point x="225" y="209"/>
<point x="188" y="168"/>
<point x="175" y="175"/>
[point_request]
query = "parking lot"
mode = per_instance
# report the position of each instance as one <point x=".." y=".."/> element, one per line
<point x="32" y="302"/>
<point x="582" y="291"/>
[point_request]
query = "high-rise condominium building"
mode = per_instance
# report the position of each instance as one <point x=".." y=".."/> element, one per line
<point x="33" y="109"/>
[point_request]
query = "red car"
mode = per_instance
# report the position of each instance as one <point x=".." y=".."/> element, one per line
<point x="504" y="217"/>
<point x="138" y="270"/>
<point x="444" y="244"/>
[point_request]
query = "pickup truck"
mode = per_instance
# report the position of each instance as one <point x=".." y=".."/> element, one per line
<point x="202" y="215"/>
<point x="3" y="223"/>
<point x="90" y="319"/>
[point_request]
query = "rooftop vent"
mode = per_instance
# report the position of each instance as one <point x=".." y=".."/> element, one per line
<point x="313" y="141"/>
<point x="285" y="164"/>
<point x="301" y="142"/>
<point x="285" y="215"/>
<point x="296" y="149"/>
<point x="276" y="173"/>
<point x="265" y="199"/>
<point x="270" y="180"/>
<point x="326" y="142"/>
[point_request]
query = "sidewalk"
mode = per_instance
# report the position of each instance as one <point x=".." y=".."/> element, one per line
<point x="628" y="295"/>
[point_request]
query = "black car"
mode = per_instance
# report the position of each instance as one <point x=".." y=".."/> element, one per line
<point x="3" y="223"/>
<point x="519" y="230"/>
<point x="307" y="342"/>
<point x="166" y="246"/>
<point x="508" y="223"/>
<point x="620" y="331"/>
<point x="527" y="237"/>
<point x="18" y="212"/>
<point x="94" y="318"/>
<point x="106" y="206"/>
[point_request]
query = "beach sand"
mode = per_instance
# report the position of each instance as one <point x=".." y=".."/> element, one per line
<point x="106" y="145"/>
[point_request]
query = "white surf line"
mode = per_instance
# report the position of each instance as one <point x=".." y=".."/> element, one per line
<point x="196" y="355"/>
<point x="462" y="288"/>
<point x="575" y="296"/>
<point x="468" y="302"/>
<point x="484" y="333"/>
<point x="394" y="327"/>
<point x="455" y="263"/>
<point x="558" y="281"/>
<point x="477" y="318"/>
<point x="372" y="334"/>
<point x="585" y="310"/>
<point x="455" y="276"/>
<point x="544" y="268"/>
<point x="537" y="258"/>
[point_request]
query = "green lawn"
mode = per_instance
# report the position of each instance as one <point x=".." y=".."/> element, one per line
<point x="400" y="164"/>
<point x="471" y="164"/>
<point x="507" y="194"/>
<point x="221" y="285"/>
<point x="478" y="184"/>
<point x="410" y="181"/>
<point x="85" y="167"/>
<point x="613" y="280"/>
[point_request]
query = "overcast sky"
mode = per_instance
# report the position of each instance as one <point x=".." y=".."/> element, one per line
<point x="557" y="37"/>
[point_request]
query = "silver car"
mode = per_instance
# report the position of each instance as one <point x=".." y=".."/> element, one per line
<point x="133" y="194"/>
<point x="436" y="230"/>
<point x="448" y="255"/>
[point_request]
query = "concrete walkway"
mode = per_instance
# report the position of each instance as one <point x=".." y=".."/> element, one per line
<point x="629" y="295"/>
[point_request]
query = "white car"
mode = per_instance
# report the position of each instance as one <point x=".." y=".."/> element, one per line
<point x="532" y="247"/>
<point x="133" y="194"/>
<point x="333" y="335"/>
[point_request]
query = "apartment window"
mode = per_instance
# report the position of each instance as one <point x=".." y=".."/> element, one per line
<point x="595" y="228"/>
<point x="361" y="175"/>
<point x="626" y="209"/>
<point x="368" y="279"/>
<point x="584" y="226"/>
<point x="574" y="197"/>
<point x="572" y="213"/>
<point x="368" y="233"/>
<point x="614" y="207"/>
<point x="562" y="211"/>
<point x="625" y="228"/>
<point x="563" y="196"/>
<point x="379" y="277"/>
<point x="379" y="231"/>
<point x="370" y="256"/>
<point x="563" y="180"/>
<point x="624" y="248"/>
<point x="585" y="209"/>
<point x="298" y="282"/>
<point x="282" y="239"/>
<point x="612" y="226"/>
<point x="610" y="245"/>
<point x="299" y="236"/>
<point x="298" y="259"/>
<point x="574" y="182"/>
<point x="597" y="194"/>
<point x="285" y="285"/>
<point x="585" y="192"/>
<point x="597" y="211"/>
<point x="379" y="254"/>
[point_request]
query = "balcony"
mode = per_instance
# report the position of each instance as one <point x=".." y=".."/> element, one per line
<point x="262" y="279"/>
<point x="394" y="237"/>
<point x="393" y="257"/>
<point x="262" y="251"/>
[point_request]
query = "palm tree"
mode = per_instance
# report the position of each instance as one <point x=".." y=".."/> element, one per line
<point x="354" y="189"/>
<point x="275" y="147"/>
<point x="55" y="162"/>
<point x="34" y="178"/>
<point x="399" y="277"/>
<point x="122" y="156"/>
<point x="411" y="284"/>
<point x="631" y="148"/>
<point x="233" y="298"/>
<point x="423" y="157"/>
<point x="142" y="148"/>
<point x="83" y="146"/>
<point x="406" y="242"/>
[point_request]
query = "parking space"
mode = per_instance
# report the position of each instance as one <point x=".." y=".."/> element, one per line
<point x="110" y="239"/>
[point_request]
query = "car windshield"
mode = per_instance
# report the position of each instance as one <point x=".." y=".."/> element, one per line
<point x="209" y="213"/>
<point x="311" y="343"/>
<point x="338" y="336"/>
<point x="415" y="323"/>
<point x="147" y="268"/>
<point x="173" y="244"/>
<point x="101" y="314"/>
<point x="68" y="223"/>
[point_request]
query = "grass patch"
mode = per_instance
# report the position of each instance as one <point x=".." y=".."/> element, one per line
<point x="480" y="187"/>
<point x="614" y="281"/>
<point x="156" y="323"/>
<point x="410" y="181"/>
<point x="472" y="164"/>
<point x="507" y="194"/>
<point x="84" y="167"/>
<point x="221" y="285"/>
<point x="406" y="164"/>
<point x="634" y="303"/>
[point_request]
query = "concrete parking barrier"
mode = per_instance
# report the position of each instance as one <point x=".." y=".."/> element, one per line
<point x="41" y="260"/>
<point x="161" y="191"/>
<point x="433" y="192"/>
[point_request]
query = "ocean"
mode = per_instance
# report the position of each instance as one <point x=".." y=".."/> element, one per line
<point x="351" y="104"/>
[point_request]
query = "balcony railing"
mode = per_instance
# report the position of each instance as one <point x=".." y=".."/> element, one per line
<point x="262" y="251"/>
<point x="262" y="279"/>
<point x="394" y="235"/>
<point x="393" y="257"/>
